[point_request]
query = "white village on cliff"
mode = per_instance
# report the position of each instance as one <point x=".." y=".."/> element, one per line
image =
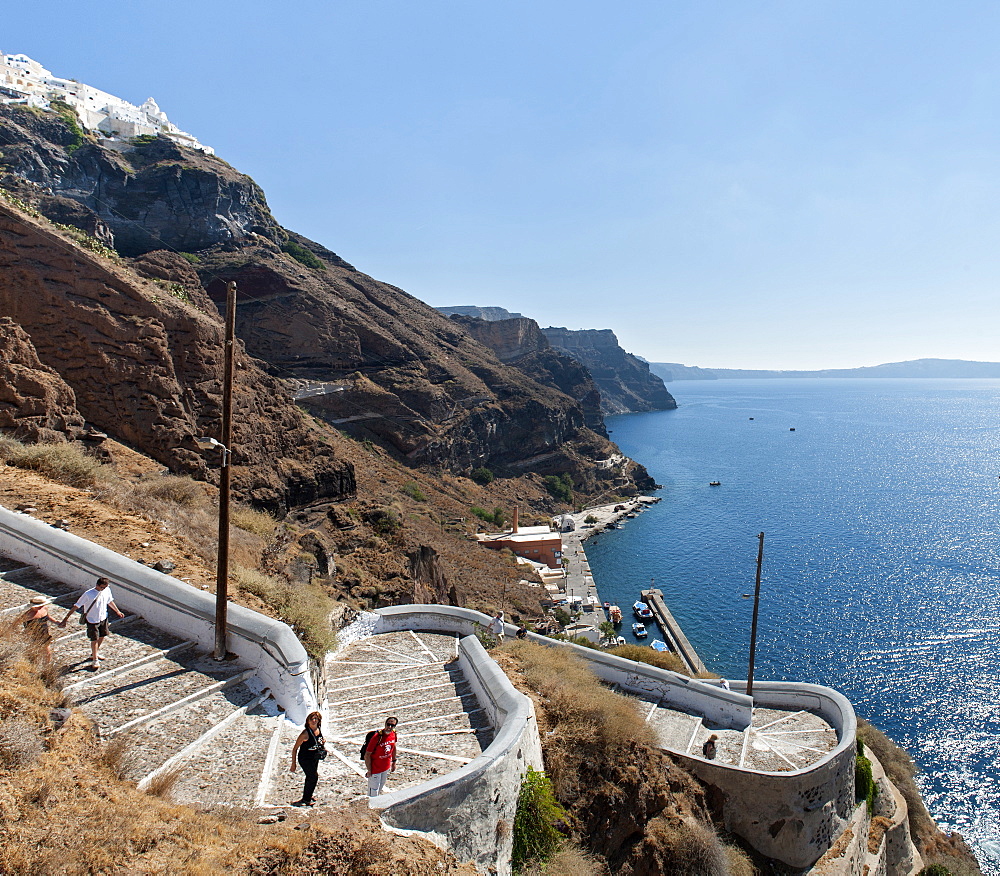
<point x="24" y="81"/>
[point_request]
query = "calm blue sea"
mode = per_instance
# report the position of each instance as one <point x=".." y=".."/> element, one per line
<point x="881" y="558"/>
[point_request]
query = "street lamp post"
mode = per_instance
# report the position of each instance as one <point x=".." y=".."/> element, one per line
<point x="756" y="605"/>
<point x="226" y="444"/>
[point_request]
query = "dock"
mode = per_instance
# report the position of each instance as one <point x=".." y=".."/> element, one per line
<point x="676" y="639"/>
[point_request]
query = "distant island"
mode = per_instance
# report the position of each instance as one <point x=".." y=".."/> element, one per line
<point x="954" y="368"/>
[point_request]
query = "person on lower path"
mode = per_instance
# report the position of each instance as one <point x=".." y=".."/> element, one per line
<point x="710" y="749"/>
<point x="36" y="622"/>
<point x="94" y="605"/>
<point x="309" y="750"/>
<point x="380" y="756"/>
<point x="497" y="627"/>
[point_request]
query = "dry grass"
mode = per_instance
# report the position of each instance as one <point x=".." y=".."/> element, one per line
<point x="250" y="520"/>
<point x="20" y="744"/>
<point x="163" y="783"/>
<point x="659" y="659"/>
<point x="66" y="463"/>
<point x="306" y="608"/>
<point x="590" y="720"/>
<point x="120" y="756"/>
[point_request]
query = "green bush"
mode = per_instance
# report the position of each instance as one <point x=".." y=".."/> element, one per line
<point x="935" y="870"/>
<point x="385" y="521"/>
<point x="190" y="257"/>
<point x="864" y="782"/>
<point x="482" y="476"/>
<point x="412" y="489"/>
<point x="496" y="516"/>
<point x="69" y="116"/>
<point x="536" y="836"/>
<point x="560" y="486"/>
<point x="590" y="518"/>
<point x="302" y="255"/>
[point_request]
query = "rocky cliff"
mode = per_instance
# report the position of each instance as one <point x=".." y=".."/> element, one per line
<point x="127" y="315"/>
<point x="624" y="380"/>
<point x="519" y="341"/>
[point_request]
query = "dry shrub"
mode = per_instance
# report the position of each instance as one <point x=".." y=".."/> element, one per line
<point x="163" y="783"/>
<point x="590" y="720"/>
<point x="120" y="755"/>
<point x="251" y="520"/>
<point x="20" y="744"/>
<point x="306" y="607"/>
<point x="685" y="848"/>
<point x="570" y="860"/>
<point x="66" y="463"/>
<point x="739" y="862"/>
<point x="659" y="659"/>
<point x="183" y="491"/>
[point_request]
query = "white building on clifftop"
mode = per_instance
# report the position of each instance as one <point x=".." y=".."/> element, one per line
<point x="24" y="81"/>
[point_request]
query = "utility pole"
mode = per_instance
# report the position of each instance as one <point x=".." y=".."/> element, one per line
<point x="222" y="566"/>
<point x="756" y="605"/>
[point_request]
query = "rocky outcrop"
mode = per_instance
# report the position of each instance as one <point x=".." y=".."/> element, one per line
<point x="624" y="380"/>
<point x="145" y="365"/>
<point x="152" y="195"/>
<point x="519" y="342"/>
<point x="490" y="314"/>
<point x="36" y="404"/>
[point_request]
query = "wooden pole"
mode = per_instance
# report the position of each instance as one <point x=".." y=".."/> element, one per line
<point x="756" y="606"/>
<point x="222" y="567"/>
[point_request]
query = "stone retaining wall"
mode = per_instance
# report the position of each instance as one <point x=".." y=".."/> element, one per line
<point x="793" y="816"/>
<point x="262" y="643"/>
<point x="471" y="810"/>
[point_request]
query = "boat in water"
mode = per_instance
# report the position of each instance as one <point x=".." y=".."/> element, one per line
<point x="615" y="613"/>
<point x="639" y="630"/>
<point x="657" y="645"/>
<point x="641" y="611"/>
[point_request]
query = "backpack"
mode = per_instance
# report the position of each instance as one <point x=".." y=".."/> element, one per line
<point x="368" y="739"/>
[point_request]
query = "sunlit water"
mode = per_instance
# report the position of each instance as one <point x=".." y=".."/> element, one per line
<point x="881" y="560"/>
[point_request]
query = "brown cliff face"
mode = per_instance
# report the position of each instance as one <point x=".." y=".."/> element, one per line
<point x="625" y="381"/>
<point x="362" y="355"/>
<point x="145" y="367"/>
<point x="519" y="341"/>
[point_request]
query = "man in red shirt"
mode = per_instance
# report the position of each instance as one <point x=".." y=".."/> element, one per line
<point x="380" y="757"/>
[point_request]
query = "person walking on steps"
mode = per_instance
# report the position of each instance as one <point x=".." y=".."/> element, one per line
<point x="309" y="750"/>
<point x="36" y="622"/>
<point x="94" y="605"/>
<point x="380" y="756"/>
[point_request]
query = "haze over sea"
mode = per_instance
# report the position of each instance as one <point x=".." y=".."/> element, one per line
<point x="881" y="572"/>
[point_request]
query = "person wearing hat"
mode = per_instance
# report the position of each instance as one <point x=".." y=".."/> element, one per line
<point x="36" y="622"/>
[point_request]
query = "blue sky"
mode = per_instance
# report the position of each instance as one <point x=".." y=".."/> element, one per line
<point x="797" y="184"/>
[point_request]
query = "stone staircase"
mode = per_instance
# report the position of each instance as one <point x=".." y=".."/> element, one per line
<point x="179" y="710"/>
<point x="410" y="675"/>
<point x="175" y="706"/>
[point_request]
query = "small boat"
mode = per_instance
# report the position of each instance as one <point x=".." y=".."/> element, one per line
<point x="639" y="630"/>
<point x="641" y="611"/>
<point x="792" y="429"/>
<point x="607" y="606"/>
<point x="715" y="483"/>
<point x="615" y="614"/>
<point x="657" y="645"/>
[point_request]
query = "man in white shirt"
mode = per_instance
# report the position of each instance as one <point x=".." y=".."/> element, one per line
<point x="95" y="604"/>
